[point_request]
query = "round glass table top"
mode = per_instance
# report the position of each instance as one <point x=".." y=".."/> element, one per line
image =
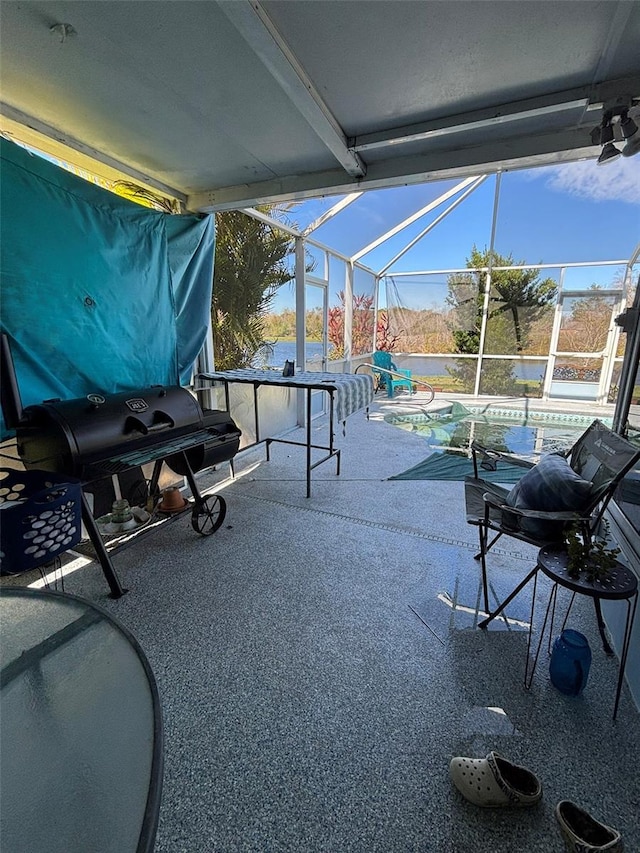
<point x="80" y="729"/>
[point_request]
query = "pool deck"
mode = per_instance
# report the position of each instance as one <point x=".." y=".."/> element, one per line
<point x="319" y="665"/>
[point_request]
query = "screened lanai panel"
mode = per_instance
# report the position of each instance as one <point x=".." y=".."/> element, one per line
<point x="521" y="311"/>
<point x="363" y="322"/>
<point x="513" y="377"/>
<point x="375" y="213"/>
<point x="337" y="284"/>
<point x="584" y="332"/>
<point x="289" y="262"/>
<point x="601" y="276"/>
<point x="569" y="213"/>
<point x="432" y="314"/>
<point x="302" y="214"/>
<point x="585" y="323"/>
<point x="315" y="260"/>
<point x="454" y="229"/>
<point x="314" y="331"/>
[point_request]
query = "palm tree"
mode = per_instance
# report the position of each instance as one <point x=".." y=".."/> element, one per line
<point x="250" y="267"/>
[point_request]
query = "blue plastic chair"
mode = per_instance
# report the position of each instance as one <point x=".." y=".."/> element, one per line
<point x="383" y="360"/>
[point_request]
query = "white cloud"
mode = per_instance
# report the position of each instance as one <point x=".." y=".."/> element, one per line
<point x="616" y="181"/>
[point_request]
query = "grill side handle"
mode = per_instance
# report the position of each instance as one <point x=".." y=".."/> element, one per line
<point x="161" y="421"/>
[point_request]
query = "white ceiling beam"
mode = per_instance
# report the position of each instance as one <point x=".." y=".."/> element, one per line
<point x="520" y="153"/>
<point x="269" y="220"/>
<point x="261" y="34"/>
<point x="474" y="120"/>
<point x="329" y="214"/>
<point x="572" y="100"/>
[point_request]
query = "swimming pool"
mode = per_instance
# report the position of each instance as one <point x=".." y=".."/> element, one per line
<point x="524" y="433"/>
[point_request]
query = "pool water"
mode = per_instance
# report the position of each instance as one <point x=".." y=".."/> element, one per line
<point x="524" y="434"/>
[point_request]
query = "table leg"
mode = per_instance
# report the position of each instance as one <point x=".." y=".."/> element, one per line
<point x="308" y="442"/>
<point x="331" y="436"/>
<point x="605" y="643"/>
<point x="154" y="492"/>
<point x="533" y="607"/>
<point x="483" y="535"/>
<point x="631" y="615"/>
<point x="564" y="621"/>
<point x="528" y="679"/>
<point x="108" y="570"/>
<point x="227" y="406"/>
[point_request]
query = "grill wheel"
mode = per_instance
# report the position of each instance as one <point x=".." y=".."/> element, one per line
<point x="208" y="515"/>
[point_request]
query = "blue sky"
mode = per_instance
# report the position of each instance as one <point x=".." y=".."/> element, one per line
<point x="555" y="214"/>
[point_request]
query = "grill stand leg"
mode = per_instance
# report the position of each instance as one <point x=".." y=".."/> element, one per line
<point x="108" y="570"/>
<point x="191" y="479"/>
<point x="154" y="491"/>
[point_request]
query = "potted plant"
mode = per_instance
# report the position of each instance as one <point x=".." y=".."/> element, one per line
<point x="587" y="554"/>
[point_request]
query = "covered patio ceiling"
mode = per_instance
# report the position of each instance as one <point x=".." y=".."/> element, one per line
<point x="227" y="104"/>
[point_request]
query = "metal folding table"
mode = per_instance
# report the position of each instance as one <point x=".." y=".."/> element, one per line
<point x="348" y="392"/>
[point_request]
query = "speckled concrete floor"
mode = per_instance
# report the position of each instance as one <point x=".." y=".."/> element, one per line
<point x="319" y="665"/>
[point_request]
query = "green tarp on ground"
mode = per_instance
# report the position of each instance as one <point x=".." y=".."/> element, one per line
<point x="454" y="466"/>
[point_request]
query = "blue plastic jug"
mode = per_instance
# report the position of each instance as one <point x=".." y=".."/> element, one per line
<point x="570" y="662"/>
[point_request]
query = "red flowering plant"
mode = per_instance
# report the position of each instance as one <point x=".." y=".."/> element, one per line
<point x="362" y="327"/>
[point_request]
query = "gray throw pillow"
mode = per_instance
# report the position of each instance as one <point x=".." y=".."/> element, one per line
<point x="550" y="486"/>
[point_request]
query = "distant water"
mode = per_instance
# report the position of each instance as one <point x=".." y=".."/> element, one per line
<point x="422" y="366"/>
<point x="286" y="351"/>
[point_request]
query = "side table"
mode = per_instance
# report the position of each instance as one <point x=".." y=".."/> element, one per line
<point x="620" y="584"/>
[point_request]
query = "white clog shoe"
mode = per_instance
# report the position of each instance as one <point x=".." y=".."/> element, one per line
<point x="495" y="782"/>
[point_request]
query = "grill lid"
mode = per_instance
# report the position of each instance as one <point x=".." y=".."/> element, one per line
<point x="65" y="435"/>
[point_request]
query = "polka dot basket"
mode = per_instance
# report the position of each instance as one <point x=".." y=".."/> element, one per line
<point x="40" y="517"/>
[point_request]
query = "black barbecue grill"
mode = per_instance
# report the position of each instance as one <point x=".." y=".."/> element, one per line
<point x="96" y="436"/>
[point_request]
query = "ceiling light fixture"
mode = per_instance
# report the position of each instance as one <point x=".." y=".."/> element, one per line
<point x="630" y="133"/>
<point x="616" y="126"/>
<point x="609" y="152"/>
<point x="627" y="125"/>
<point x="606" y="133"/>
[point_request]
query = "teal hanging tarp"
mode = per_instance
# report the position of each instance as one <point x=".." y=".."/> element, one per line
<point x="191" y="243"/>
<point x="98" y="293"/>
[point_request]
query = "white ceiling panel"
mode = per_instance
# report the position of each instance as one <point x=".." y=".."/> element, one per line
<point x="422" y="60"/>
